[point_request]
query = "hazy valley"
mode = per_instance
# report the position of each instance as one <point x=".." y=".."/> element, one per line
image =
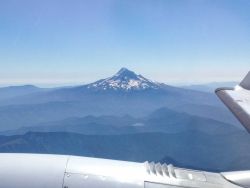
<point x="125" y="116"/>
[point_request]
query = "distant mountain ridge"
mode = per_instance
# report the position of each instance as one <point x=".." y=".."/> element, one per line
<point x="210" y="87"/>
<point x="14" y="91"/>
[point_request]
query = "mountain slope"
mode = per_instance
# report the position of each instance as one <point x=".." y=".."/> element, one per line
<point x="218" y="113"/>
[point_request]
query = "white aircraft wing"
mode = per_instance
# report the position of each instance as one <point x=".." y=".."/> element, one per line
<point x="237" y="99"/>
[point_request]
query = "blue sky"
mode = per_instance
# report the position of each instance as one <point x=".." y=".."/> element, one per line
<point x="79" y="41"/>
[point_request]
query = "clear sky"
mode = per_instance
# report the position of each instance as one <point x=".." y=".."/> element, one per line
<point x="79" y="41"/>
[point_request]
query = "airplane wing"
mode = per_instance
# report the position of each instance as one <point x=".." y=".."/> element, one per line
<point x="237" y="99"/>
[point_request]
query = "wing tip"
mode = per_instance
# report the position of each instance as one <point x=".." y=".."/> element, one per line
<point x="245" y="83"/>
<point x="223" y="89"/>
<point x="233" y="105"/>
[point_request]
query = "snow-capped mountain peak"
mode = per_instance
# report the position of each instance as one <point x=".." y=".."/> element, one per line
<point x="126" y="80"/>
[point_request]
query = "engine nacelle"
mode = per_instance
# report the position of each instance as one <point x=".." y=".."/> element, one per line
<point x="59" y="171"/>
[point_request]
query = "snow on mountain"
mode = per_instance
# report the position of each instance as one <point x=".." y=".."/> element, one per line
<point x="126" y="80"/>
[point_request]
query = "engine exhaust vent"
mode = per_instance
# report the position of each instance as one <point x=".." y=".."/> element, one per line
<point x="158" y="169"/>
